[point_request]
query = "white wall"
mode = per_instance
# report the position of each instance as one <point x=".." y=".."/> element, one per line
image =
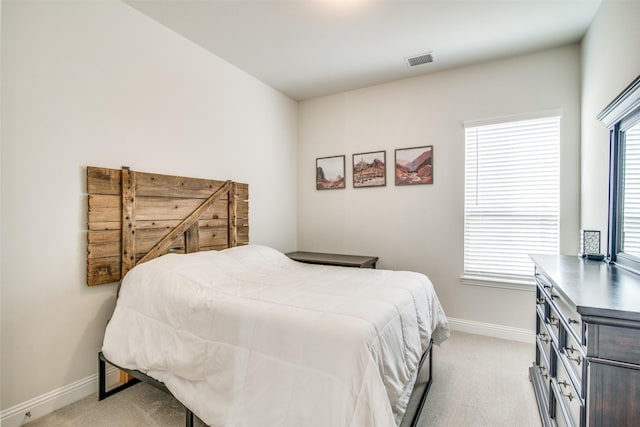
<point x="610" y="62"/>
<point x="98" y="83"/>
<point x="420" y="228"/>
<point x="0" y="204"/>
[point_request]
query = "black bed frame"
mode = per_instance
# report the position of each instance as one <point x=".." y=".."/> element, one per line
<point x="410" y="419"/>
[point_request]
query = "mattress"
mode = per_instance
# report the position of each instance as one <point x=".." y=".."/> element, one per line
<point x="248" y="337"/>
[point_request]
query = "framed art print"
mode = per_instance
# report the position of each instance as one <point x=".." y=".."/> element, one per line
<point x="330" y="173"/>
<point x="414" y="165"/>
<point x="369" y="169"/>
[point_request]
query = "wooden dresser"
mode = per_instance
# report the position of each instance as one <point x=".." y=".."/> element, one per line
<point x="587" y="363"/>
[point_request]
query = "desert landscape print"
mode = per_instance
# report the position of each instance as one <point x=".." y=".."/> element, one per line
<point x="414" y="165"/>
<point x="369" y="169"/>
<point x="330" y="173"/>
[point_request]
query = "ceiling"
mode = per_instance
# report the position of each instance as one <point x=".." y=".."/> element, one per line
<point x="311" y="48"/>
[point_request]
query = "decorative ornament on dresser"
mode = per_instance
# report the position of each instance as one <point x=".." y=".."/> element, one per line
<point x="589" y="242"/>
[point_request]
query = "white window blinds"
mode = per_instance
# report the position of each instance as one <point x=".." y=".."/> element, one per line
<point x="631" y="193"/>
<point x="512" y="196"/>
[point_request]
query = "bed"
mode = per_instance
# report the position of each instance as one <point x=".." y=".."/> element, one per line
<point x="244" y="336"/>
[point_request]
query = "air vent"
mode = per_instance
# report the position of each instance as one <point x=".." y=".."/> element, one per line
<point x="424" y="58"/>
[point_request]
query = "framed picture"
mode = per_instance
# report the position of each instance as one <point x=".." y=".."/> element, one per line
<point x="414" y="165"/>
<point x="370" y="169"/>
<point x="330" y="173"/>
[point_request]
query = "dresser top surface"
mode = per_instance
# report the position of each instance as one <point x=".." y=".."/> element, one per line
<point x="595" y="287"/>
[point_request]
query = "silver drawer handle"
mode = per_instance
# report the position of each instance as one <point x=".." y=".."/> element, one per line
<point x="553" y="321"/>
<point x="563" y="384"/>
<point x="570" y="320"/>
<point x="540" y="301"/>
<point x="554" y="296"/>
<point x="543" y="372"/>
<point x="569" y="396"/>
<point x="567" y="350"/>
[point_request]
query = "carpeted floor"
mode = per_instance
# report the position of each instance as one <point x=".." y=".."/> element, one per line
<point x="478" y="382"/>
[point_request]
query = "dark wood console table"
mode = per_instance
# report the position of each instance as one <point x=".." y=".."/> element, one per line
<point x="334" y="259"/>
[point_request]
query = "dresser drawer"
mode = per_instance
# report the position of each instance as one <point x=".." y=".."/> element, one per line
<point x="553" y="323"/>
<point x="568" y="315"/>
<point x="572" y="357"/>
<point x="543" y="282"/>
<point x="544" y="370"/>
<point x="543" y="337"/>
<point x="567" y="407"/>
<point x="569" y="392"/>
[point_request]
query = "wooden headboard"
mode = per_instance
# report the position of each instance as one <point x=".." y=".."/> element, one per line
<point x="136" y="216"/>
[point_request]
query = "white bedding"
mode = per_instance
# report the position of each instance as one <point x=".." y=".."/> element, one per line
<point x="248" y="337"/>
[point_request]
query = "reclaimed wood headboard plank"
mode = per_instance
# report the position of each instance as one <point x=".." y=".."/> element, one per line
<point x="128" y="215"/>
<point x="151" y="207"/>
<point x="164" y="244"/>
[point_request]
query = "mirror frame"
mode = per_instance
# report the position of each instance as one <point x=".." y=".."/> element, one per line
<point x="616" y="116"/>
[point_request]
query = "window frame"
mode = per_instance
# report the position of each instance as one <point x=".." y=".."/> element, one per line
<point x="620" y="115"/>
<point x="496" y="279"/>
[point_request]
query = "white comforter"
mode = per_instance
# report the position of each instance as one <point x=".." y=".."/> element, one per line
<point x="247" y="337"/>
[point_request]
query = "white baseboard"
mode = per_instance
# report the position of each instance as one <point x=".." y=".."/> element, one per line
<point x="56" y="399"/>
<point x="492" y="330"/>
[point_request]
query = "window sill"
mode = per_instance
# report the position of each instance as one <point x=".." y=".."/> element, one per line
<point x="500" y="282"/>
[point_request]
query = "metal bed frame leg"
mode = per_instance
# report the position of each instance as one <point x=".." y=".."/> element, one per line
<point x="137" y="377"/>
<point x="102" y="380"/>
<point x="416" y="416"/>
<point x="189" y="418"/>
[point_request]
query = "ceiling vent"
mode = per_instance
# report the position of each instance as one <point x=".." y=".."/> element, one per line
<point x="423" y="58"/>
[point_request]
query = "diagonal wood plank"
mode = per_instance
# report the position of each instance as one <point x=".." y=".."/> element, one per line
<point x="161" y="247"/>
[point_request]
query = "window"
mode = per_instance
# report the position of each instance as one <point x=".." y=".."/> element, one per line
<point x="622" y="117"/>
<point x="630" y="197"/>
<point x="512" y="198"/>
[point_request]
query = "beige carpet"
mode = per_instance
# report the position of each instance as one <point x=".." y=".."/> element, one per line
<point x="478" y="381"/>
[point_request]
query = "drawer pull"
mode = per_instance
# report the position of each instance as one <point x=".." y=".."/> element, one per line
<point x="578" y="359"/>
<point x="563" y="384"/>
<point x="554" y="296"/>
<point x="569" y="396"/>
<point x="570" y="349"/>
<point x="544" y="337"/>
<point x="543" y="372"/>
<point x="553" y="321"/>
<point x="541" y="300"/>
